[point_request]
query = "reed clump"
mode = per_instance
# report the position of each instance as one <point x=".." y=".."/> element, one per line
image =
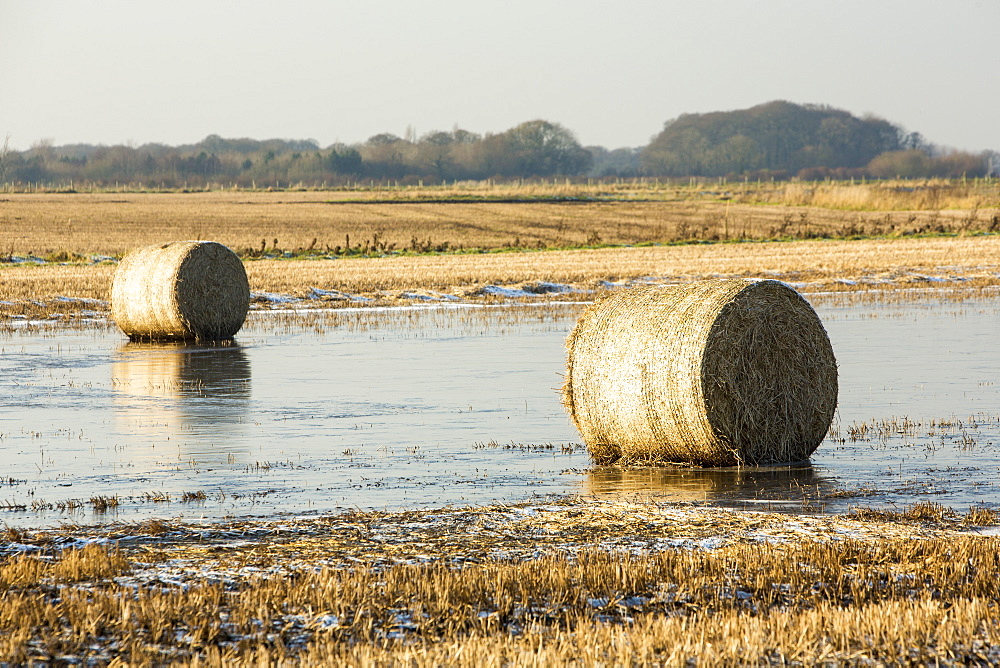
<point x="722" y="372"/>
<point x="180" y="290"/>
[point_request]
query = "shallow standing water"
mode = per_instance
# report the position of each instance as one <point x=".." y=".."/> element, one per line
<point x="426" y="407"/>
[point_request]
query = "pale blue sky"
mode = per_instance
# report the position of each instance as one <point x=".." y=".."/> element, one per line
<point x="612" y="72"/>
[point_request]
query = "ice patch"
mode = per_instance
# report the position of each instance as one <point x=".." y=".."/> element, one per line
<point x="327" y="621"/>
<point x="501" y="291"/>
<point x="544" y="288"/>
<point x="933" y="279"/>
<point x="81" y="300"/>
<point x="528" y="290"/>
<point x="429" y="296"/>
<point x="272" y="298"/>
<point x="335" y="295"/>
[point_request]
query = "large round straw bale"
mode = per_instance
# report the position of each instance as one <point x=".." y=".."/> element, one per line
<point x="715" y="373"/>
<point x="180" y="290"/>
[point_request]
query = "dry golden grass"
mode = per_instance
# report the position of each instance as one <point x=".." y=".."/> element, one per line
<point x="489" y="216"/>
<point x="813" y="266"/>
<point x="509" y="588"/>
<point x="71" y="226"/>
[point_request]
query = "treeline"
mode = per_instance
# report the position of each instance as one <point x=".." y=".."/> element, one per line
<point x="780" y="140"/>
<point x="776" y="140"/>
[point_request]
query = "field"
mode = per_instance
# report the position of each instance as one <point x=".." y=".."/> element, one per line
<point x="587" y="581"/>
<point x="387" y="245"/>
<point x="488" y="217"/>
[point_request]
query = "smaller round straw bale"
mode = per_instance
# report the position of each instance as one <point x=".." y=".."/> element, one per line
<point x="724" y="372"/>
<point x="180" y="290"/>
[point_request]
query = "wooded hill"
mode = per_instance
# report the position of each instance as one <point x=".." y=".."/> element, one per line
<point x="773" y="140"/>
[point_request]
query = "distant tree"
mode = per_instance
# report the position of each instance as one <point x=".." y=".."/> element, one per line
<point x="345" y="160"/>
<point x="492" y="156"/>
<point x="907" y="164"/>
<point x="44" y="150"/>
<point x="5" y="159"/>
<point x="541" y="148"/>
<point x="385" y="156"/>
<point x="383" y="139"/>
<point x="955" y="164"/>
<point x="620" y="162"/>
<point x="438" y="138"/>
<point x="777" y="136"/>
<point x="465" y="137"/>
<point x="434" y="155"/>
<point x="464" y="154"/>
<point x="915" y="163"/>
<point x="29" y="170"/>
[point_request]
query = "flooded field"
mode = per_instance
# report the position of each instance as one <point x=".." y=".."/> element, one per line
<point x="319" y="411"/>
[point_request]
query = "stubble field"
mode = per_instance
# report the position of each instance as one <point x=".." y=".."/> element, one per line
<point x="522" y="584"/>
<point x="387" y="245"/>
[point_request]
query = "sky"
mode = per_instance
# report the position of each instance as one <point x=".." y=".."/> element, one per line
<point x="117" y="72"/>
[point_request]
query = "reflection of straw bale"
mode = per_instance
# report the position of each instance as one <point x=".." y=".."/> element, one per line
<point x="217" y="373"/>
<point x="715" y="373"/>
<point x="691" y="484"/>
<point x="157" y="373"/>
<point x="194" y="393"/>
<point x="180" y="290"/>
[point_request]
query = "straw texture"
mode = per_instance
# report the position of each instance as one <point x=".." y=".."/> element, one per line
<point x="180" y="290"/>
<point x="715" y="373"/>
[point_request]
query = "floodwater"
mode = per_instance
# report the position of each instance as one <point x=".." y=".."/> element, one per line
<point x="320" y="411"/>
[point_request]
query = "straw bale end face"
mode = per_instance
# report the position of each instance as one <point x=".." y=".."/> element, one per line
<point x="180" y="290"/>
<point x="716" y="373"/>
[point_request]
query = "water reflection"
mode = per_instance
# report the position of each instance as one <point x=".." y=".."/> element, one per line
<point x="192" y="393"/>
<point x="774" y="485"/>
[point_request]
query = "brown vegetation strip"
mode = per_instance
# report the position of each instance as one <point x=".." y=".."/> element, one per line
<point x="620" y="583"/>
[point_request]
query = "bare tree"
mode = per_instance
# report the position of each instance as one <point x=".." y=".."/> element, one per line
<point x="5" y="159"/>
